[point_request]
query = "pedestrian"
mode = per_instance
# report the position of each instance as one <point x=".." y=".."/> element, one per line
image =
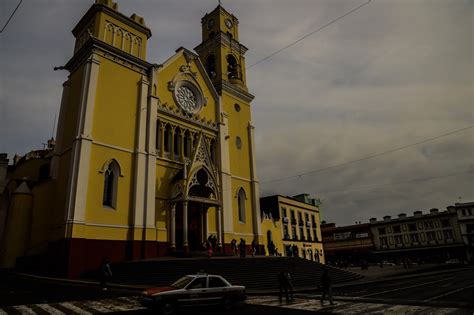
<point x="233" y="243"/>
<point x="105" y="273"/>
<point x="254" y="248"/>
<point x="242" y="248"/>
<point x="282" y="286"/>
<point x="326" y="287"/>
<point x="289" y="284"/>
<point x="208" y="246"/>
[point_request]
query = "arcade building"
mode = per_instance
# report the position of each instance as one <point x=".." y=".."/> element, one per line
<point x="149" y="160"/>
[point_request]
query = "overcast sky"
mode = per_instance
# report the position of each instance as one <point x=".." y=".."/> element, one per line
<point x="393" y="73"/>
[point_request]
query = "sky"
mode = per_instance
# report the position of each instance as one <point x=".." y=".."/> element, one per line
<point x="391" y="74"/>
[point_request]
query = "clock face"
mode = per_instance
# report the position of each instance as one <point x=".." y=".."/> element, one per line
<point x="187" y="99"/>
<point x="228" y="23"/>
<point x="211" y="23"/>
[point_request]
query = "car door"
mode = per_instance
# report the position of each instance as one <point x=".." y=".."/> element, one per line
<point x="217" y="290"/>
<point x="195" y="291"/>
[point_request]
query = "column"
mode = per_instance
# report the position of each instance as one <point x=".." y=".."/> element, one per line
<point x="181" y="149"/>
<point x="173" y="226"/>
<point x="185" y="227"/>
<point x="219" y="226"/>
<point x="202" y="235"/>
<point x="172" y="131"/>
<point x="162" y="144"/>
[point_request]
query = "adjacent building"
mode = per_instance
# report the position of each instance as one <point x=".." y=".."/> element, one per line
<point x="292" y="224"/>
<point x="465" y="213"/>
<point x="347" y="245"/>
<point x="429" y="237"/>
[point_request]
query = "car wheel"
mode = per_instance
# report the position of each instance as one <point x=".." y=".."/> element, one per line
<point x="168" y="308"/>
<point x="227" y="304"/>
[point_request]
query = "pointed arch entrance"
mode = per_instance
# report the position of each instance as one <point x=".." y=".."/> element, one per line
<point x="195" y="191"/>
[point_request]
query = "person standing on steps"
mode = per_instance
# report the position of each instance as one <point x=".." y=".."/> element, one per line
<point x="105" y="273"/>
<point x="242" y="248"/>
<point x="326" y="287"/>
<point x="254" y="248"/>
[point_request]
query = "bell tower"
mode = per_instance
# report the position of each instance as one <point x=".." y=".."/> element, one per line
<point x="220" y="50"/>
<point x="222" y="55"/>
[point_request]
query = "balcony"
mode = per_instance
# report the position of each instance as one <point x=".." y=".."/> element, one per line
<point x="286" y="220"/>
<point x="308" y="223"/>
<point x="399" y="245"/>
<point x="415" y="243"/>
<point x="433" y="242"/>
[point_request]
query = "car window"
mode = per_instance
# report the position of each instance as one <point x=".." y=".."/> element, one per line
<point x="182" y="282"/>
<point x="215" y="282"/>
<point x="198" y="283"/>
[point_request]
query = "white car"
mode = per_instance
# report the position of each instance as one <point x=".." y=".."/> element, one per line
<point x="453" y="261"/>
<point x="193" y="290"/>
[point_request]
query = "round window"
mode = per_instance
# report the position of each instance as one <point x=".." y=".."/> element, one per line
<point x="188" y="97"/>
<point x="237" y="107"/>
<point x="238" y="142"/>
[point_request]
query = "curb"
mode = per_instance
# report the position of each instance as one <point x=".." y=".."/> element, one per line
<point x="394" y="301"/>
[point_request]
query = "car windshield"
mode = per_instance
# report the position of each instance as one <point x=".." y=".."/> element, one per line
<point x="182" y="282"/>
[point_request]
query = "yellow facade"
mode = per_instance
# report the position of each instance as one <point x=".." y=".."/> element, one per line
<point x="289" y="223"/>
<point x="150" y="159"/>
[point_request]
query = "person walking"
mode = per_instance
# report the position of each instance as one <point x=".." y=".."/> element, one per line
<point x="289" y="284"/>
<point x="105" y="273"/>
<point x="326" y="287"/>
<point x="254" y="248"/>
<point x="242" y="248"/>
<point x="233" y="243"/>
<point x="282" y="286"/>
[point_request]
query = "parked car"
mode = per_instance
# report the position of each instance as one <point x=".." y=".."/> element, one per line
<point x="193" y="290"/>
<point x="453" y="261"/>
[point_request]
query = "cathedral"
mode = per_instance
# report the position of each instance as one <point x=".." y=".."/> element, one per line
<point x="150" y="159"/>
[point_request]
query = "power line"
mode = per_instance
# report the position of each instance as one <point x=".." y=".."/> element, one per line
<point x="309" y="34"/>
<point x="367" y="157"/>
<point x="396" y="183"/>
<point x="11" y="16"/>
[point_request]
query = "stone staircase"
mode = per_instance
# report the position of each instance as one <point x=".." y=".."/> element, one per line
<point x="256" y="273"/>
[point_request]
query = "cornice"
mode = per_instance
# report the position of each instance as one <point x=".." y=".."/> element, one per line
<point x="95" y="45"/>
<point x="222" y="39"/>
<point x="232" y="89"/>
<point x="117" y="15"/>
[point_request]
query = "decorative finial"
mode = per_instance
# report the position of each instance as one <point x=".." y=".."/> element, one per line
<point x="220" y="2"/>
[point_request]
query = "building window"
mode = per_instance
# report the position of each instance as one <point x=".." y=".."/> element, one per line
<point x="232" y="67"/>
<point x="414" y="238"/>
<point x="431" y="236"/>
<point x="382" y="231"/>
<point x="448" y="234"/>
<point x="384" y="241"/>
<point x="286" y="232"/>
<point x="283" y="212"/>
<point x="293" y="232"/>
<point x="428" y="224"/>
<point x="398" y="239"/>
<point x="412" y="227"/>
<point x="158" y="136"/>
<point x="300" y="219"/>
<point x="241" y="197"/>
<point x="445" y="223"/>
<point x="396" y="229"/>
<point x="313" y="221"/>
<point x="167" y="138"/>
<point x="302" y="233"/>
<point x="293" y="218"/>
<point x="111" y="174"/>
<point x="315" y="235"/>
<point x="211" y="63"/>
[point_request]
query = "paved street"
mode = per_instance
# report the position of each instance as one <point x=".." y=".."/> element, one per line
<point x="453" y="287"/>
<point x="448" y="293"/>
<point x="254" y="305"/>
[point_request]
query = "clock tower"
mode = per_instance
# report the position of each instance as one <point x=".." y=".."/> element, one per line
<point x="222" y="55"/>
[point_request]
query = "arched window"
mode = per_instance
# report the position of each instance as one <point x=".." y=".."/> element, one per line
<point x="111" y="174"/>
<point x="232" y="72"/>
<point x="211" y="66"/>
<point x="167" y="138"/>
<point x="241" y="199"/>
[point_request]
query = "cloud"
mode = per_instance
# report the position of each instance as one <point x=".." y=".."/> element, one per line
<point x="390" y="74"/>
